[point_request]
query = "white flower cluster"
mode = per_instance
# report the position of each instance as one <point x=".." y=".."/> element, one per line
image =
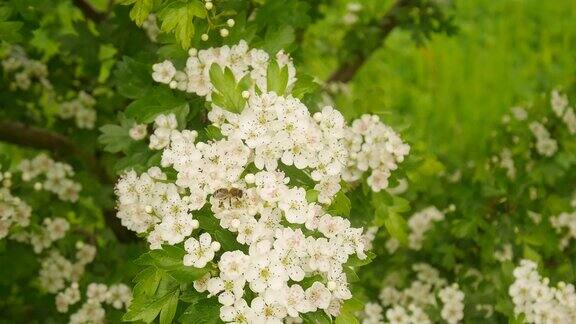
<point x="560" y="106"/>
<point x="149" y="202"/>
<point x="241" y="178"/>
<point x="13" y="212"/>
<point x="280" y="129"/>
<point x="565" y="222"/>
<point x="91" y="312"/>
<point x="239" y="58"/>
<point x="52" y="230"/>
<point x="373" y="145"/>
<point x="56" y="270"/>
<point x="507" y="163"/>
<point x="545" y="145"/>
<point x="369" y="236"/>
<point x="150" y="26"/>
<point x="351" y="15"/>
<point x="6" y="179"/>
<point x="163" y="127"/>
<point x="506" y="254"/>
<point x="277" y="254"/>
<point x="419" y="223"/>
<point x="540" y="303"/>
<point x="372" y="314"/>
<point x="519" y="113"/>
<point x="56" y="177"/>
<point x="408" y="305"/>
<point x="81" y="109"/>
<point x="453" y="304"/>
<point x="25" y="70"/>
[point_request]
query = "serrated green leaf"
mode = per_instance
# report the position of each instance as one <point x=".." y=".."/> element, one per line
<point x="278" y="39"/>
<point x="304" y="85"/>
<point x="169" y="309"/>
<point x="318" y="317"/>
<point x="341" y="205"/>
<point x="204" y="311"/>
<point x="186" y="275"/>
<point x="178" y="17"/>
<point x="276" y="78"/>
<point x="354" y="261"/>
<point x="140" y="10"/>
<point x="145" y="310"/>
<point x="159" y="101"/>
<point x="228" y="92"/>
<point x="132" y="78"/>
<point x="115" y="138"/>
<point x="147" y="281"/>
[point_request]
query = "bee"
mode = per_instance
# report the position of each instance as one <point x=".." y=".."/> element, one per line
<point x="228" y="194"/>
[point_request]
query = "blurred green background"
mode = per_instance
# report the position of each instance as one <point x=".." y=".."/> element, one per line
<point x="453" y="90"/>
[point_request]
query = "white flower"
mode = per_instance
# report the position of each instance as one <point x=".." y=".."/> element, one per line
<point x="264" y="272"/>
<point x="97" y="292"/>
<point x="201" y="251"/>
<point x="295" y="301"/>
<point x="163" y="72"/>
<point x="268" y="312"/>
<point x="233" y="264"/>
<point x="319" y="296"/>
<point x="228" y="290"/>
<point x="138" y="132"/>
<point x="239" y="313"/>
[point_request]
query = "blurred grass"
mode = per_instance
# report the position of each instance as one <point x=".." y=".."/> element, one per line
<point x="453" y="91"/>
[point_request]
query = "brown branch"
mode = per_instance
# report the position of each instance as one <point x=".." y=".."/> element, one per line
<point x="42" y="139"/>
<point x="89" y="11"/>
<point x="346" y="71"/>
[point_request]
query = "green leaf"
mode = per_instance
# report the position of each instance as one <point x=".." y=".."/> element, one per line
<point x="346" y="318"/>
<point x="147" y="281"/>
<point x="9" y="31"/>
<point x="169" y="257"/>
<point x="354" y="261"/>
<point x="278" y="39"/>
<point x="141" y="10"/>
<point x="277" y="78"/>
<point x="312" y="195"/>
<point x="145" y="310"/>
<point x="44" y="43"/>
<point x="159" y="101"/>
<point x="169" y="309"/>
<point x="132" y="78"/>
<point x="213" y="133"/>
<point x="351" y="274"/>
<point x="114" y="137"/>
<point x="186" y="274"/>
<point x="204" y="311"/>
<point x="340" y="205"/>
<point x="297" y="177"/>
<point x="318" y="317"/>
<point x="396" y="226"/>
<point x="227" y="92"/>
<point x="178" y="17"/>
<point x="304" y="85"/>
